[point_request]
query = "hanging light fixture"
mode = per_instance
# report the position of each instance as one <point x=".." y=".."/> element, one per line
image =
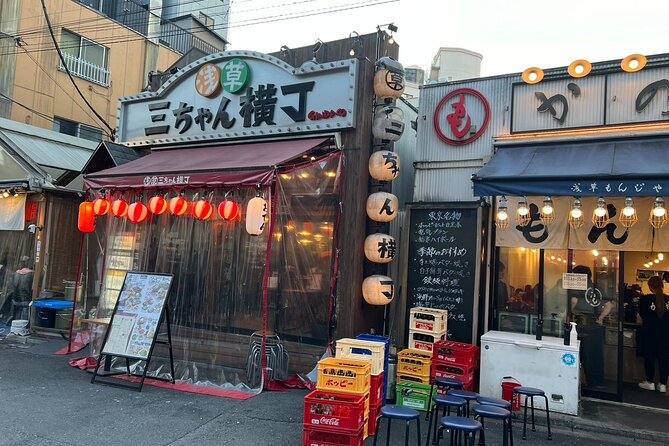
<point x="547" y="214"/>
<point x="523" y="216"/>
<point x="628" y="216"/>
<point x="600" y="216"/>
<point x="576" y="219"/>
<point x="502" y="215"/>
<point x="658" y="215"/>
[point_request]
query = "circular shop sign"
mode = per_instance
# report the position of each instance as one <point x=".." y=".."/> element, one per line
<point x="457" y="127"/>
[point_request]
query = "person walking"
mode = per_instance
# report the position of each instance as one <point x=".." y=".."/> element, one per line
<point x="654" y="312"/>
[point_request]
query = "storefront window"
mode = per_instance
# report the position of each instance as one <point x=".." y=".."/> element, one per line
<point x="554" y="296"/>
<point x="516" y="289"/>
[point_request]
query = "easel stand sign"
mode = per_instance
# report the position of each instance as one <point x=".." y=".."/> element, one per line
<point x="140" y="311"/>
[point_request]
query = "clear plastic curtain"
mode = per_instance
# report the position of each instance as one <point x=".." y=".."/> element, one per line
<point x="13" y="246"/>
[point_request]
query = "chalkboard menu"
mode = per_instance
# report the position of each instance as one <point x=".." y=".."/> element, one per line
<point x="134" y="323"/>
<point x="442" y="262"/>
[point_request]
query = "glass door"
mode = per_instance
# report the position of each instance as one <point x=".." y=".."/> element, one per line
<point x="596" y="312"/>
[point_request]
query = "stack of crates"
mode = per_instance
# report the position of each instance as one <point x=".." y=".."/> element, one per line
<point x="336" y="413"/>
<point x="375" y="353"/>
<point x="456" y="360"/>
<point x="413" y="379"/>
<point x="426" y="326"/>
<point x="386" y="341"/>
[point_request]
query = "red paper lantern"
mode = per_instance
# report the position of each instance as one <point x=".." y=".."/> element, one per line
<point x="157" y="205"/>
<point x="86" y="219"/>
<point x="100" y="206"/>
<point x="239" y="214"/>
<point x="202" y="209"/>
<point x="178" y="206"/>
<point x="137" y="212"/>
<point x="228" y="210"/>
<point x="119" y="207"/>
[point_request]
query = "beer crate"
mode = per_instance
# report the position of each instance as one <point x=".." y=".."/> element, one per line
<point x="344" y="375"/>
<point x="463" y="373"/>
<point x="424" y="341"/>
<point x="313" y="436"/>
<point x="415" y="396"/>
<point x="376" y="390"/>
<point x="428" y="319"/>
<point x="414" y="362"/>
<point x="336" y="410"/>
<point x="372" y="351"/>
<point x="374" y="414"/>
<point x="456" y="352"/>
<point x="386" y="341"/>
<point x="413" y="379"/>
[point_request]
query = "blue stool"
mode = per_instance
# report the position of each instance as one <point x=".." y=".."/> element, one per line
<point x="446" y="384"/>
<point x="483" y="411"/>
<point x="459" y="424"/>
<point x="398" y="413"/>
<point x="466" y="395"/>
<point x="497" y="402"/>
<point x="446" y="402"/>
<point x="531" y="392"/>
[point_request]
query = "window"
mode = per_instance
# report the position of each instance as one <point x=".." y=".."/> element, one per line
<point x="206" y="20"/>
<point x="85" y="58"/>
<point x="95" y="4"/>
<point x="72" y="128"/>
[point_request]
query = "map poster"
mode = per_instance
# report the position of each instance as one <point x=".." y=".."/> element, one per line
<point x="134" y="323"/>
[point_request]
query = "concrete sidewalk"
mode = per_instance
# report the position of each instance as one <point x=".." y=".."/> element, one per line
<point x="47" y="402"/>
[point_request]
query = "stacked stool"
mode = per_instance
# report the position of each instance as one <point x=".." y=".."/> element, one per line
<point x="531" y="392"/>
<point x="390" y="413"/>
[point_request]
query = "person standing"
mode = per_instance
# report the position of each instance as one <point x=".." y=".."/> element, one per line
<point x="21" y="288"/>
<point x="654" y="312"/>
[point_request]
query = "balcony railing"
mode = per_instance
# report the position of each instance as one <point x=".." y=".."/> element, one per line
<point x="86" y="70"/>
<point x="182" y="40"/>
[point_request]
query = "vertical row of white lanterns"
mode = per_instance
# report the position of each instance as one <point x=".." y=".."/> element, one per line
<point x="384" y="166"/>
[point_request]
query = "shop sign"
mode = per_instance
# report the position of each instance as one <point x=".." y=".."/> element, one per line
<point x="597" y="100"/>
<point x="461" y="116"/>
<point x="574" y="281"/>
<point x="241" y="94"/>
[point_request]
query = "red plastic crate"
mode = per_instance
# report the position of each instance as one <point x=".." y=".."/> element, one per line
<point x="457" y="352"/>
<point x="463" y="373"/>
<point x="313" y="436"/>
<point x="374" y="414"/>
<point x="341" y="411"/>
<point x="376" y="390"/>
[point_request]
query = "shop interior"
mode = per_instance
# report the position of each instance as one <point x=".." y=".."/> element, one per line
<point x="529" y="284"/>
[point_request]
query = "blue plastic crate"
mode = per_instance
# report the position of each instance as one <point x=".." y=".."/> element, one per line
<point x="386" y="340"/>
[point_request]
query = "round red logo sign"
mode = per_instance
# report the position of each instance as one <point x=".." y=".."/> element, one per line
<point x="461" y="116"/>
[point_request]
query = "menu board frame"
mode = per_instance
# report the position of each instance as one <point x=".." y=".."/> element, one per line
<point x="456" y="330"/>
<point x="138" y="315"/>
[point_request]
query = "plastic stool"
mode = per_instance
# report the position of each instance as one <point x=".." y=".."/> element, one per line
<point x="484" y="411"/>
<point x="531" y="392"/>
<point x="497" y="402"/>
<point x="446" y="402"/>
<point x="446" y="384"/>
<point x="466" y="395"/>
<point x="459" y="424"/>
<point x="398" y="413"/>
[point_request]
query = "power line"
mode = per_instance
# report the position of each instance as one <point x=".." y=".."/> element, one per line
<point x="40" y="114"/>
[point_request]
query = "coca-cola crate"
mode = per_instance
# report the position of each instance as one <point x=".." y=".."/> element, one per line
<point x="428" y="319"/>
<point x="457" y="352"/>
<point x="424" y="341"/>
<point x="374" y="414"/>
<point x="376" y="390"/>
<point x="414" y="362"/>
<point x="318" y="436"/>
<point x="463" y="373"/>
<point x="339" y="410"/>
<point x="372" y="351"/>
<point x="344" y="375"/>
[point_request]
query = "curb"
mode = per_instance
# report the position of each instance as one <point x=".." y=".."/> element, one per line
<point x="577" y="424"/>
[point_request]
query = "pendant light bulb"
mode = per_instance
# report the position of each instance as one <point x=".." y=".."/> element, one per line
<point x="576" y="213"/>
<point x="547" y="209"/>
<point x="600" y="211"/>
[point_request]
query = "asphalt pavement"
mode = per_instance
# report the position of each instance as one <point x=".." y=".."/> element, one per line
<point x="47" y="402"/>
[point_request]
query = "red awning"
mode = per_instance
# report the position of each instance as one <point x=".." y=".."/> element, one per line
<point x="232" y="165"/>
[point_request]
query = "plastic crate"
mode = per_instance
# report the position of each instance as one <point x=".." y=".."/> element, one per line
<point x="331" y="437"/>
<point x="374" y="414"/>
<point x="376" y="392"/>
<point x="386" y="341"/>
<point x="463" y="373"/>
<point x="414" y="362"/>
<point x="424" y="341"/>
<point x="428" y="319"/>
<point x="415" y="396"/>
<point x="344" y="375"/>
<point x="458" y="352"/>
<point x="413" y="379"/>
<point x="338" y="410"/>
<point x="468" y="386"/>
<point x="366" y="350"/>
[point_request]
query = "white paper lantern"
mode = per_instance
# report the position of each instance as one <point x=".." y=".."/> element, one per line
<point x="382" y="206"/>
<point x="256" y="215"/>
<point x="384" y="165"/>
<point x="388" y="123"/>
<point x="380" y="248"/>
<point x="389" y="79"/>
<point x="378" y="290"/>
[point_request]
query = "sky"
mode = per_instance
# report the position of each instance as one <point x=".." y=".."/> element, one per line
<point x="511" y="35"/>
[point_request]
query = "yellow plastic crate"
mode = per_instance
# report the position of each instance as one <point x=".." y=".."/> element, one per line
<point x="372" y="351"/>
<point x="414" y="362"/>
<point x="404" y="378"/>
<point x="344" y="375"/>
<point x="428" y="319"/>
